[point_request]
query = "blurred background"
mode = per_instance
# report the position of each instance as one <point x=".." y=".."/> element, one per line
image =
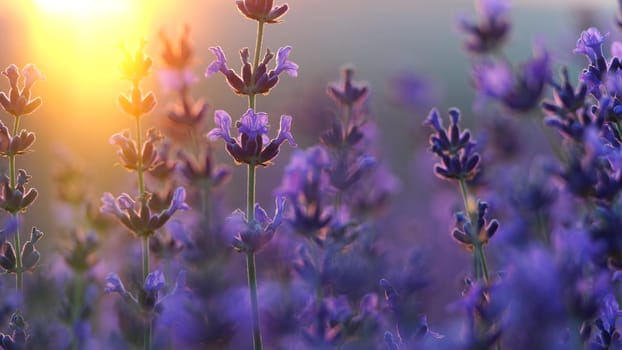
<point x="76" y="46"/>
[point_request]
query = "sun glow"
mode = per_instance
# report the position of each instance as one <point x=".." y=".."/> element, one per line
<point x="77" y="46"/>
<point x="85" y="8"/>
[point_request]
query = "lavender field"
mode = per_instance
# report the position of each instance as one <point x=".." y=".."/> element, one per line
<point x="347" y="175"/>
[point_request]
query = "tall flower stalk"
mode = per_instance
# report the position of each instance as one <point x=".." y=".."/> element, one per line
<point x="253" y="148"/>
<point x="137" y="215"/>
<point x="14" y="198"/>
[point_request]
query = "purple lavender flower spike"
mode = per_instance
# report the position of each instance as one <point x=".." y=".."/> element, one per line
<point x="283" y="64"/>
<point x="154" y="282"/>
<point x="223" y="122"/>
<point x="454" y="148"/>
<point x="219" y="64"/>
<point x="285" y="131"/>
<point x="590" y="44"/>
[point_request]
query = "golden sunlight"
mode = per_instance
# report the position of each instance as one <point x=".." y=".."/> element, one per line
<point x="80" y="40"/>
<point x="85" y="8"/>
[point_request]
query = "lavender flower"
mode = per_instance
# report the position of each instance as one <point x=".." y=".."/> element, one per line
<point x="520" y="92"/>
<point x="566" y="98"/>
<point x="140" y="220"/>
<point x="455" y="148"/>
<point x="154" y="282"/>
<point x="252" y="146"/>
<point x="252" y="236"/>
<point x="261" y="10"/>
<point x="491" y="30"/>
<point x="590" y="44"/>
<point x="305" y="183"/>
<point x="253" y="80"/>
<point x="128" y="150"/>
<point x="177" y="58"/>
<point x="114" y="285"/>
<point x="348" y="92"/>
<point x="484" y="230"/>
<point x="17" y="199"/>
<point x="18" y="101"/>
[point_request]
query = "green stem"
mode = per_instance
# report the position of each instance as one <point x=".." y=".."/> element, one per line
<point x="139" y="151"/>
<point x="250" y="197"/>
<point x="19" y="279"/>
<point x="148" y="320"/>
<point x="480" y="264"/>
<point x="251" y="95"/>
<point x="252" y="286"/>
<point x="145" y="239"/>
<point x="76" y="306"/>
<point x="147" y="334"/>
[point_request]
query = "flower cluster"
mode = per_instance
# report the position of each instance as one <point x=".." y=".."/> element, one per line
<point x="252" y="146"/>
<point x="253" y="80"/>
<point x="455" y="148"/>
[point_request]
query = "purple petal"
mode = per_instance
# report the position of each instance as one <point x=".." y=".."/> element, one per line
<point x="179" y="198"/>
<point x="283" y="65"/>
<point x="253" y="124"/>
<point x="260" y="215"/>
<point x="219" y="64"/>
<point x="154" y="281"/>
<point x="285" y="131"/>
<point x="114" y="284"/>
<point x="125" y="202"/>
<point x="109" y="205"/>
<point x="223" y="122"/>
<point x="278" y="214"/>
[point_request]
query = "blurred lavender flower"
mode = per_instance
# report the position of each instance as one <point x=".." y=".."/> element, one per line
<point x="252" y="146"/>
<point x="177" y="59"/>
<point x="177" y="77"/>
<point x="348" y="92"/>
<point x="455" y="148"/>
<point x="253" y="80"/>
<point x="413" y="91"/>
<point x="18" y="339"/>
<point x="305" y="182"/>
<point x="141" y="221"/>
<point x="411" y="325"/>
<point x="114" y="285"/>
<point x="128" y="150"/>
<point x="604" y="331"/>
<point x="519" y="92"/>
<point x="252" y="236"/>
<point x="490" y="31"/>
